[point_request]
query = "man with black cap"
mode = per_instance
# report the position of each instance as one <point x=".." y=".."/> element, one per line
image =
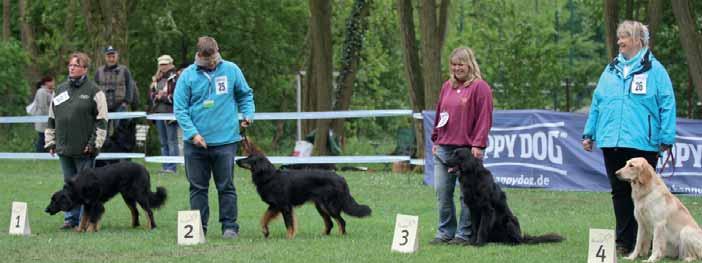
<point x="119" y="87"/>
<point x="115" y="81"/>
<point x="209" y="95"/>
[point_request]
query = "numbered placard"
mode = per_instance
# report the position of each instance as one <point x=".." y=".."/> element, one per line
<point x="190" y="228"/>
<point x="406" y="232"/>
<point x="19" y="223"/>
<point x="601" y="248"/>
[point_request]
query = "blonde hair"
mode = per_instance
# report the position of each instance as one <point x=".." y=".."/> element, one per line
<point x="634" y="29"/>
<point x="465" y="55"/>
<point x="81" y="57"/>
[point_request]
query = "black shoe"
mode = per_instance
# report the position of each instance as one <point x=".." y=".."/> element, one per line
<point x="459" y="241"/>
<point x="68" y="226"/>
<point x="623" y="251"/>
<point x="439" y="241"/>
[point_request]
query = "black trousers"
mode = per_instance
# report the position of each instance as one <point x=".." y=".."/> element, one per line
<point x="615" y="159"/>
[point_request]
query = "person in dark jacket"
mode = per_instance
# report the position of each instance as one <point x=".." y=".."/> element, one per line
<point x="77" y="124"/>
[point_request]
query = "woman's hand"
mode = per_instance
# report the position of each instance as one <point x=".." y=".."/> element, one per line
<point x="587" y="145"/>
<point x="477" y="152"/>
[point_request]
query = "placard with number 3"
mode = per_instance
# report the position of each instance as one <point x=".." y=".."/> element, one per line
<point x="406" y="232"/>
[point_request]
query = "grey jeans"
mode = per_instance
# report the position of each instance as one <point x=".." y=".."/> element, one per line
<point x="445" y="183"/>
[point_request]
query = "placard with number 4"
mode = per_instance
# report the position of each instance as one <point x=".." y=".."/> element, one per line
<point x="601" y="246"/>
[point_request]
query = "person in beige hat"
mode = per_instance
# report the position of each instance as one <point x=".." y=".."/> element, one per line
<point x="161" y="101"/>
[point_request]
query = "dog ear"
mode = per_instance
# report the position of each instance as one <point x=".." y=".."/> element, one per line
<point x="646" y="173"/>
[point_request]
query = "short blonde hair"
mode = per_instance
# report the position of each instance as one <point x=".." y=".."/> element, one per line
<point x="465" y="55"/>
<point x="82" y="58"/>
<point x="635" y="30"/>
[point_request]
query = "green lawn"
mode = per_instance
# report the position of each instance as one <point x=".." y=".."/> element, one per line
<point x="569" y="213"/>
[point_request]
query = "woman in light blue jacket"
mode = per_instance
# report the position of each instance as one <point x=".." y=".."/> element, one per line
<point x="632" y="115"/>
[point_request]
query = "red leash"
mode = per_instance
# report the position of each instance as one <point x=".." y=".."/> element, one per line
<point x="671" y="158"/>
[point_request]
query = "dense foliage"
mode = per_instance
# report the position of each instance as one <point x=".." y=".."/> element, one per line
<point x="531" y="52"/>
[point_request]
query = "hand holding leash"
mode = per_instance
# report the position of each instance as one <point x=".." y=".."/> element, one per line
<point x="587" y="145"/>
<point x="199" y="141"/>
<point x="245" y="123"/>
<point x="477" y="152"/>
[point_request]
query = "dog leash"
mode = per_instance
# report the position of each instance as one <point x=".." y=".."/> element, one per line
<point x="671" y="158"/>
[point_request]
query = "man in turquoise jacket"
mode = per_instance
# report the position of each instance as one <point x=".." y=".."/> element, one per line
<point x="632" y="115"/>
<point x="208" y="97"/>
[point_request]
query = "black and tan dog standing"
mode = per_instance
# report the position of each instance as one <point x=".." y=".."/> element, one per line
<point x="93" y="187"/>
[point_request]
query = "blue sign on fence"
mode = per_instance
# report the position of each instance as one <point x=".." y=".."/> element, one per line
<point x="542" y="149"/>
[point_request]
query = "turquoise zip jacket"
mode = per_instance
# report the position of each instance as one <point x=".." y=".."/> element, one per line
<point x="633" y="105"/>
<point x="208" y="103"/>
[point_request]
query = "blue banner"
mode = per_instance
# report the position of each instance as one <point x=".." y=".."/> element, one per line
<point x="543" y="149"/>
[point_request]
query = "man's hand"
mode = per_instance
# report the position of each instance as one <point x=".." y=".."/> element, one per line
<point x="477" y="152"/>
<point x="245" y="123"/>
<point x="433" y="148"/>
<point x="587" y="145"/>
<point x="52" y="150"/>
<point x="199" y="141"/>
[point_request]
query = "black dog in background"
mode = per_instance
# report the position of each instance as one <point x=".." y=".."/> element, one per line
<point x="283" y="190"/>
<point x="491" y="218"/>
<point x="93" y="187"/>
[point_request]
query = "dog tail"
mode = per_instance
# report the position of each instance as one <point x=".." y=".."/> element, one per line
<point x="355" y="209"/>
<point x="158" y="198"/>
<point x="546" y="238"/>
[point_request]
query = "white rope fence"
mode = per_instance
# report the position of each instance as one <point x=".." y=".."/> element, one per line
<point x="258" y="116"/>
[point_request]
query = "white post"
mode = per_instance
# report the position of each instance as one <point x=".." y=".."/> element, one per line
<point x="299" y="104"/>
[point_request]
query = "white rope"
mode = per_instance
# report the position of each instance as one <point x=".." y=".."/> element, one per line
<point x="301" y="160"/>
<point x="45" y="118"/>
<point x="307" y="115"/>
<point x="47" y="156"/>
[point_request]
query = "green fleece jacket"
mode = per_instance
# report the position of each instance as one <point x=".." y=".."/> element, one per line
<point x="77" y="117"/>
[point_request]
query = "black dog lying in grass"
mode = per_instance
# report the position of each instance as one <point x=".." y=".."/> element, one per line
<point x="93" y="187"/>
<point x="491" y="218"/>
<point x="283" y="190"/>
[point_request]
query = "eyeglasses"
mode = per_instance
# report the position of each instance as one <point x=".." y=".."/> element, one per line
<point x="75" y="66"/>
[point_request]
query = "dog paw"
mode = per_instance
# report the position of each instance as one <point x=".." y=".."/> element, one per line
<point x="651" y="259"/>
<point x="631" y="257"/>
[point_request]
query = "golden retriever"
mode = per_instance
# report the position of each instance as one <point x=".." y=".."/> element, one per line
<point x="662" y="218"/>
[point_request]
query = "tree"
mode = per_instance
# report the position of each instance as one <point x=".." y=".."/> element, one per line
<point x="690" y="40"/>
<point x="611" y="10"/>
<point x="356" y="26"/>
<point x="28" y="41"/>
<point x="106" y="21"/>
<point x="5" y="20"/>
<point x="433" y="33"/>
<point x="655" y="15"/>
<point x="413" y="72"/>
<point x="321" y="67"/>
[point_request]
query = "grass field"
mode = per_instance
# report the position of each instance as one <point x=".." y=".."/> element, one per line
<point x="568" y="213"/>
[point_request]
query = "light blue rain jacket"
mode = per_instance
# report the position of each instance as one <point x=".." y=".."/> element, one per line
<point x="208" y="103"/>
<point x="633" y="110"/>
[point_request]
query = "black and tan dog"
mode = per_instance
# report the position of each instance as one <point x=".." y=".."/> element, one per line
<point x="93" y="187"/>
<point x="283" y="190"/>
<point x="491" y="218"/>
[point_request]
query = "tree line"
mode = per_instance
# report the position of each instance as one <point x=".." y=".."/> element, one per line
<point x="356" y="54"/>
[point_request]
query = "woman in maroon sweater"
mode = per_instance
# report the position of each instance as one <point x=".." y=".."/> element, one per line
<point x="463" y="119"/>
